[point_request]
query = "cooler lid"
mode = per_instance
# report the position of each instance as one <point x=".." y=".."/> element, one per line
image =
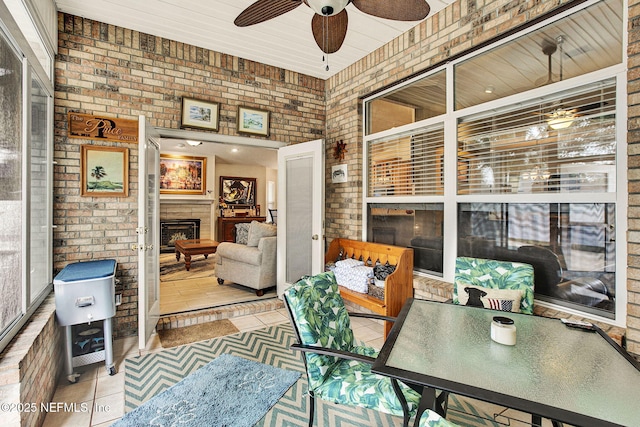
<point x="85" y="270"/>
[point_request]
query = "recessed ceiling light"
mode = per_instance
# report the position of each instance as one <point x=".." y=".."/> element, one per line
<point x="193" y="143"/>
<point x="180" y="145"/>
<point x="489" y="89"/>
<point x="234" y="150"/>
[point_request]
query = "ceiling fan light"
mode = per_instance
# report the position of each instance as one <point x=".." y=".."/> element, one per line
<point x="327" y="7"/>
<point x="560" y="119"/>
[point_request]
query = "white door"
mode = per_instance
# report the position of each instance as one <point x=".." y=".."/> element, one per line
<point x="300" y="212"/>
<point x="148" y="246"/>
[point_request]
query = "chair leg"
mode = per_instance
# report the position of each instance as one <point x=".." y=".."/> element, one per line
<point x="312" y="411"/>
<point x="403" y="401"/>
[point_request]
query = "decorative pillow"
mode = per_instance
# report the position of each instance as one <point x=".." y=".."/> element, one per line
<point x="380" y="272"/>
<point x="242" y="233"/>
<point x="495" y="299"/>
<point x="258" y="230"/>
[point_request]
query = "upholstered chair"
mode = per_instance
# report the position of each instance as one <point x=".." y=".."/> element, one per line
<point x="499" y="285"/>
<point x="250" y="261"/>
<point x="339" y="370"/>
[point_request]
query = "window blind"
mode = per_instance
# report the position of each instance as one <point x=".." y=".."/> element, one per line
<point x="565" y="143"/>
<point x="407" y="164"/>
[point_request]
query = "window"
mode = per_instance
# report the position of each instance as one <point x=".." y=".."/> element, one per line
<point x="528" y="149"/>
<point x="413" y="225"/>
<point x="520" y="165"/>
<point x="421" y="100"/>
<point x="586" y="41"/>
<point x="409" y="163"/>
<point x="25" y="182"/>
<point x="571" y="247"/>
<point x="11" y="196"/>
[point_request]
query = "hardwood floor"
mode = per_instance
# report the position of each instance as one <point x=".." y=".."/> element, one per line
<point x="183" y="291"/>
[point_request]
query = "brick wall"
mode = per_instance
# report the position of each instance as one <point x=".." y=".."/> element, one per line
<point x="459" y="27"/>
<point x="116" y="72"/>
<point x="110" y="70"/>
<point x="633" y="174"/>
<point x="30" y="366"/>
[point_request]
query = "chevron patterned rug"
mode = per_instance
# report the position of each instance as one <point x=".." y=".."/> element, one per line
<point x="148" y="375"/>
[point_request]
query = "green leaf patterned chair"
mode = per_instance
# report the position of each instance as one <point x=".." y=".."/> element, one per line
<point x="432" y="419"/>
<point x="338" y="370"/>
<point x="499" y="285"/>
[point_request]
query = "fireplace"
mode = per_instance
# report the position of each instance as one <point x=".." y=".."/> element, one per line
<point x="177" y="229"/>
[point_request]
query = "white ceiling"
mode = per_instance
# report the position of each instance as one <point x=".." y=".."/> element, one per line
<point x="285" y="41"/>
<point x="226" y="153"/>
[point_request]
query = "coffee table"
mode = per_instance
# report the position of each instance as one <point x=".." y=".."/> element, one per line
<point x="194" y="247"/>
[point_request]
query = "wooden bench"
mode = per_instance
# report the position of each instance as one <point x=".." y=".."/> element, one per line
<point x="398" y="285"/>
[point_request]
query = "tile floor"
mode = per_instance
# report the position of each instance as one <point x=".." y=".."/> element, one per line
<point x="98" y="399"/>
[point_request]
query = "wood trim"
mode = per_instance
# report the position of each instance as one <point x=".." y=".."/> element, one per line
<point x="398" y="285"/>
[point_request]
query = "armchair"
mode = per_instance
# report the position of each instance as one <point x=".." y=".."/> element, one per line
<point x="338" y="370"/>
<point x="252" y="264"/>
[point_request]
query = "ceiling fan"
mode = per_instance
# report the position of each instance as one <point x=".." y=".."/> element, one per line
<point x="329" y="24"/>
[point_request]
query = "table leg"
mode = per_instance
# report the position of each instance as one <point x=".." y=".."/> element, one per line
<point x="177" y="255"/>
<point x="187" y="261"/>
<point x="427" y="401"/>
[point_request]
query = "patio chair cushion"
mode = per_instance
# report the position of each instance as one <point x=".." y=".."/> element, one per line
<point x="321" y="318"/>
<point x="352" y="383"/>
<point x="324" y="321"/>
<point x="432" y="419"/>
<point x="492" y="274"/>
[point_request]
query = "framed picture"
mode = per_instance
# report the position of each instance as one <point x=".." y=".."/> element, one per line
<point x="104" y="171"/>
<point x="199" y="114"/>
<point x="253" y="121"/>
<point x="238" y="192"/>
<point x="183" y="174"/>
<point x="339" y="174"/>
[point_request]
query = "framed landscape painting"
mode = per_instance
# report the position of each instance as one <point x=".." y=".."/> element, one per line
<point x="253" y="121"/>
<point x="183" y="174"/>
<point x="199" y="114"/>
<point x="104" y="171"/>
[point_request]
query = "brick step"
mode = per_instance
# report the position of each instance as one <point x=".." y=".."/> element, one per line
<point x="195" y="317"/>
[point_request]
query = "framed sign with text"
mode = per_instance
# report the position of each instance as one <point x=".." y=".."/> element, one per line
<point x="86" y="126"/>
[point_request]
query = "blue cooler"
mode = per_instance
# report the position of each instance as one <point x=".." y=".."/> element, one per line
<point x="85" y="293"/>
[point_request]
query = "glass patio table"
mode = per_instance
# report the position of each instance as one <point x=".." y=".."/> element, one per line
<point x="564" y="374"/>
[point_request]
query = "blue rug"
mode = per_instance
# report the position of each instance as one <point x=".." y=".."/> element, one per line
<point x="229" y="391"/>
<point x="149" y="375"/>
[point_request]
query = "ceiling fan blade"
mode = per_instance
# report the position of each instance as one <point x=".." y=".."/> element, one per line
<point x="330" y="31"/>
<point x="398" y="10"/>
<point x="263" y="10"/>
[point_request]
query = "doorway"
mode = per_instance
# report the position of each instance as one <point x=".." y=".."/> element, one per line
<point x="183" y="291"/>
